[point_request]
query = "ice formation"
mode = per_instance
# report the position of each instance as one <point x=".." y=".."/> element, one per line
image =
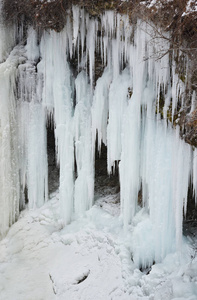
<point x="122" y="109"/>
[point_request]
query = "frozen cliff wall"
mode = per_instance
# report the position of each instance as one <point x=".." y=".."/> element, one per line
<point x="9" y="168"/>
<point x="132" y="108"/>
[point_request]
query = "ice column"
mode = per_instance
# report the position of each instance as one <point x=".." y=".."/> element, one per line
<point x="57" y="97"/>
<point x="84" y="184"/>
<point x="118" y="96"/>
<point x="32" y="127"/>
<point x="100" y="108"/>
<point x="9" y="179"/>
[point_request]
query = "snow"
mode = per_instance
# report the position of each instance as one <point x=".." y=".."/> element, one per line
<point x="190" y="8"/>
<point x="89" y="259"/>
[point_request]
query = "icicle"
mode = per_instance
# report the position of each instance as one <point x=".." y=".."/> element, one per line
<point x="82" y="31"/>
<point x="44" y="68"/>
<point x="193" y="104"/>
<point x="129" y="165"/>
<point x="58" y="89"/>
<point x="37" y="171"/>
<point x="75" y="11"/>
<point x="91" y="47"/>
<point x="116" y="58"/>
<point x="195" y="174"/>
<point x="9" y="176"/>
<point x="181" y="176"/>
<point x="32" y="45"/>
<point x="117" y="104"/>
<point x="84" y="184"/>
<point x="100" y="109"/>
<point x="69" y="36"/>
<point x="31" y="121"/>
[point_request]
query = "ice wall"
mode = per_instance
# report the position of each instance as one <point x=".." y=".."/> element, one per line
<point x="9" y="167"/>
<point x="130" y="108"/>
<point x="10" y="200"/>
<point x="23" y="157"/>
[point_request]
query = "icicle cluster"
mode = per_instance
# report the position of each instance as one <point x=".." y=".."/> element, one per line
<point x="7" y="40"/>
<point x="127" y="109"/>
<point x="9" y="167"/>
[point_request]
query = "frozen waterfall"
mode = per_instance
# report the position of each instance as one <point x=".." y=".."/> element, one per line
<point x="122" y="109"/>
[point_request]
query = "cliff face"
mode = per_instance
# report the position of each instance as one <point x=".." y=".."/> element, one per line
<point x="99" y="81"/>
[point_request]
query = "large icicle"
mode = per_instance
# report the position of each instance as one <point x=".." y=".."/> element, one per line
<point x="57" y="95"/>
<point x="33" y="157"/>
<point x="9" y="177"/>
<point x="118" y="96"/>
<point x="100" y="109"/>
<point x="32" y="128"/>
<point x="84" y="184"/>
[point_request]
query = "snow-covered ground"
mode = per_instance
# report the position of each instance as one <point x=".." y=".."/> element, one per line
<point x="90" y="259"/>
